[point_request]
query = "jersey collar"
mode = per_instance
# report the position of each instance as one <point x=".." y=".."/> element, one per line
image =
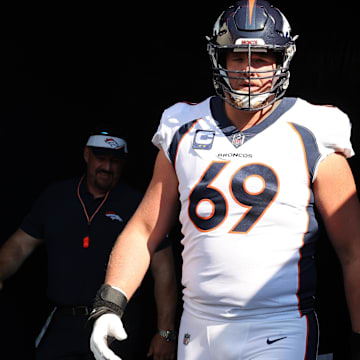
<point x="217" y="107"/>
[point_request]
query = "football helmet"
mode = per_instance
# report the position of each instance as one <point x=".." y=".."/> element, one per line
<point x="251" y="26"/>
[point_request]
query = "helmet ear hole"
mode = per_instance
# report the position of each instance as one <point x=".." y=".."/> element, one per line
<point x="279" y="58"/>
<point x="222" y="56"/>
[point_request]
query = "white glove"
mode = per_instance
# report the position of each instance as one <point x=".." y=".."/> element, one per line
<point x="106" y="326"/>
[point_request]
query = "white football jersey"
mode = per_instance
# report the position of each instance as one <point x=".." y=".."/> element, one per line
<point x="247" y="206"/>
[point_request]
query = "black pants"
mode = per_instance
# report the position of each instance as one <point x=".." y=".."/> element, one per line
<point x="68" y="338"/>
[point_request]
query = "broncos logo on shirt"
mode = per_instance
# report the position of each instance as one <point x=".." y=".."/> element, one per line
<point x="113" y="216"/>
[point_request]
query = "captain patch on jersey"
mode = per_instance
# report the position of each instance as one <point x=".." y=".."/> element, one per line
<point x="203" y="139"/>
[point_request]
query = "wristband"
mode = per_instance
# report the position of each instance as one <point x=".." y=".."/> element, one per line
<point x="108" y="300"/>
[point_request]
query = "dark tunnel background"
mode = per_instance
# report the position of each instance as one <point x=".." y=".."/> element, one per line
<point x="70" y="66"/>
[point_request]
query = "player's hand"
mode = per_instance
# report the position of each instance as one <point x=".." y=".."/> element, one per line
<point x="107" y="326"/>
<point x="160" y="349"/>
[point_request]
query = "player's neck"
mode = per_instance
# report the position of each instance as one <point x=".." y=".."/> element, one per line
<point x="246" y="119"/>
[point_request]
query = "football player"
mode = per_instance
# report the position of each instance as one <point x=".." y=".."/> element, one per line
<point x="249" y="166"/>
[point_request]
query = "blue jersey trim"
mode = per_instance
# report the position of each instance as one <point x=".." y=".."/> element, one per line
<point x="311" y="148"/>
<point x="172" y="150"/>
<point x="307" y="266"/>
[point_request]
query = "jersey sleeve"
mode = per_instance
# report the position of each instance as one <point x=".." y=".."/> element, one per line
<point x="174" y="120"/>
<point x="337" y="136"/>
<point x="168" y="126"/>
<point x="333" y="133"/>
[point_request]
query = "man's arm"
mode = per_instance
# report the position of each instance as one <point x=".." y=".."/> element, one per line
<point x="130" y="257"/>
<point x="14" y="252"/>
<point x="165" y="290"/>
<point x="338" y="203"/>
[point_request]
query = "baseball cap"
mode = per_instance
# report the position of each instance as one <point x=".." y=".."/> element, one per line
<point x="103" y="143"/>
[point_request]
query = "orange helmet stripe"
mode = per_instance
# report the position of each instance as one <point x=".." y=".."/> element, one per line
<point x="251" y="8"/>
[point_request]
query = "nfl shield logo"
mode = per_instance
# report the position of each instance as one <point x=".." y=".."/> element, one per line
<point x="186" y="339"/>
<point x="238" y="139"/>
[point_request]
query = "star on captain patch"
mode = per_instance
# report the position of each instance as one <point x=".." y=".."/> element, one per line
<point x="238" y="139"/>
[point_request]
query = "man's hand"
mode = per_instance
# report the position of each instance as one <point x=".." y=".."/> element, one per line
<point x="160" y="349"/>
<point x="107" y="326"/>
